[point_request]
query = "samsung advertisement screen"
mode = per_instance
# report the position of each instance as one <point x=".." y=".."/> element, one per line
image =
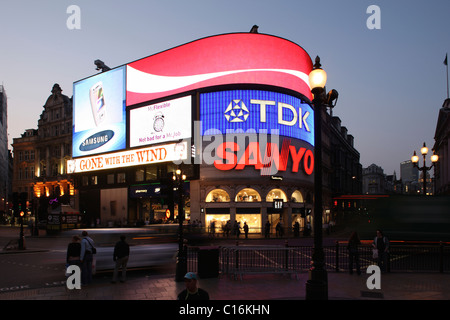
<point x="161" y="122"/>
<point x="99" y="114"/>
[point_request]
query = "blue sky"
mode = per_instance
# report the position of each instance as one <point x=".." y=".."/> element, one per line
<point x="391" y="81"/>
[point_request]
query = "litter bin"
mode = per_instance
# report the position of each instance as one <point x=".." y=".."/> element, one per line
<point x="208" y="262"/>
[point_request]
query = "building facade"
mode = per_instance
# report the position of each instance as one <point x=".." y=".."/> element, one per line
<point x="40" y="157"/>
<point x="5" y="186"/>
<point x="442" y="149"/>
<point x="240" y="129"/>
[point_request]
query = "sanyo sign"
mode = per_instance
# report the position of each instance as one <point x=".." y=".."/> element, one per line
<point x="256" y="111"/>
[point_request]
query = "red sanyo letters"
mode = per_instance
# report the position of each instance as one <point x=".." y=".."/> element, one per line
<point x="252" y="156"/>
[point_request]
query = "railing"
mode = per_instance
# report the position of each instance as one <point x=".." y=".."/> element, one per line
<point x="279" y="259"/>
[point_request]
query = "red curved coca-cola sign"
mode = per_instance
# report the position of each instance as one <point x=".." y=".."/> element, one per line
<point x="238" y="58"/>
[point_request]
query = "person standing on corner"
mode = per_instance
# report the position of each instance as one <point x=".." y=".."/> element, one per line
<point x="381" y="243"/>
<point x="120" y="256"/>
<point x="86" y="257"/>
<point x="353" y="252"/>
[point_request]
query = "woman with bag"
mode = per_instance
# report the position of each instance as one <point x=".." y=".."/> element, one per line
<point x="86" y="256"/>
<point x="73" y="252"/>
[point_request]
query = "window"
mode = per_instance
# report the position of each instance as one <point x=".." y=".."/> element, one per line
<point x="121" y="177"/>
<point x="247" y="195"/>
<point x="297" y="196"/>
<point x="276" y="194"/>
<point x="140" y="175"/>
<point x="55" y="170"/>
<point x="85" y="180"/>
<point x="94" y="180"/>
<point x="110" y="178"/>
<point x="217" y="195"/>
<point x="151" y="173"/>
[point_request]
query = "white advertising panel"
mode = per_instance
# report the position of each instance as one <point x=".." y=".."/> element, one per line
<point x="161" y="122"/>
<point x="161" y="153"/>
<point x="99" y="114"/>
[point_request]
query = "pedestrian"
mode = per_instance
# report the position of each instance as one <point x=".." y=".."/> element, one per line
<point x="212" y="228"/>
<point x="87" y="258"/>
<point x="31" y="226"/>
<point x="353" y="252"/>
<point x="74" y="252"/>
<point x="236" y="229"/>
<point x="246" y="229"/>
<point x="192" y="291"/>
<point x="296" y="229"/>
<point x="267" y="230"/>
<point x="120" y="257"/>
<point x="381" y="244"/>
<point x="307" y="230"/>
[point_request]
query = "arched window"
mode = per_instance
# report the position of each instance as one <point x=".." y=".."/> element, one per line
<point x="217" y="195"/>
<point x="248" y="195"/>
<point x="297" y="196"/>
<point x="276" y="194"/>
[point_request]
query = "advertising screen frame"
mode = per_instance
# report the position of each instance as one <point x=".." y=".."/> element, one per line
<point x="162" y="128"/>
<point x="99" y="113"/>
<point x="217" y="122"/>
<point x="255" y="59"/>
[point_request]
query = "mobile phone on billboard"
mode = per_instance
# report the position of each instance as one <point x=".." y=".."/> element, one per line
<point x="97" y="102"/>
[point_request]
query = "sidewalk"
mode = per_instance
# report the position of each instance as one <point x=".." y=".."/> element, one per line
<point x="341" y="286"/>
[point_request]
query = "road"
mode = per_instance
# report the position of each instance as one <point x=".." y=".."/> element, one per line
<point x="42" y="263"/>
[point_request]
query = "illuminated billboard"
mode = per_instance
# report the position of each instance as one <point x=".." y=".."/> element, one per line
<point x="161" y="122"/>
<point x="99" y="114"/>
<point x="128" y="158"/>
<point x="238" y="58"/>
<point x="256" y="111"/>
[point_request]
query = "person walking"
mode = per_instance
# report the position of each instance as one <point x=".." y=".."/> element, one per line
<point x="120" y="257"/>
<point x="353" y="253"/>
<point x="246" y="229"/>
<point x="192" y="291"/>
<point x="381" y="244"/>
<point x="87" y="258"/>
<point x="74" y="252"/>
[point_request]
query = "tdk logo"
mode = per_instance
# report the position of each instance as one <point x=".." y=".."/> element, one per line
<point x="287" y="114"/>
<point x="96" y="140"/>
<point x="257" y="111"/>
<point x="236" y="111"/>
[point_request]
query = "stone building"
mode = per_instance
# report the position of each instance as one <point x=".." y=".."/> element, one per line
<point x="40" y="156"/>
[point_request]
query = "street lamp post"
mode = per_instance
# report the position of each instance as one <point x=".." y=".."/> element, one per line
<point x="424" y="168"/>
<point x="181" y="267"/>
<point x="317" y="284"/>
<point x="21" y="235"/>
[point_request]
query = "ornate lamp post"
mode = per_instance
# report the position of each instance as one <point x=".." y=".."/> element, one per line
<point x="21" y="236"/>
<point x="181" y="267"/>
<point x="317" y="284"/>
<point x="424" y="168"/>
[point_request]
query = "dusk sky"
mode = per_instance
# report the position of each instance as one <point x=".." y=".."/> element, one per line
<point x="391" y="81"/>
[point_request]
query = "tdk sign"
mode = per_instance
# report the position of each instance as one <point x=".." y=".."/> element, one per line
<point x="258" y="112"/>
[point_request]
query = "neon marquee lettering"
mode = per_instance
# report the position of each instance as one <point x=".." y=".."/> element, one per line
<point x="272" y="156"/>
